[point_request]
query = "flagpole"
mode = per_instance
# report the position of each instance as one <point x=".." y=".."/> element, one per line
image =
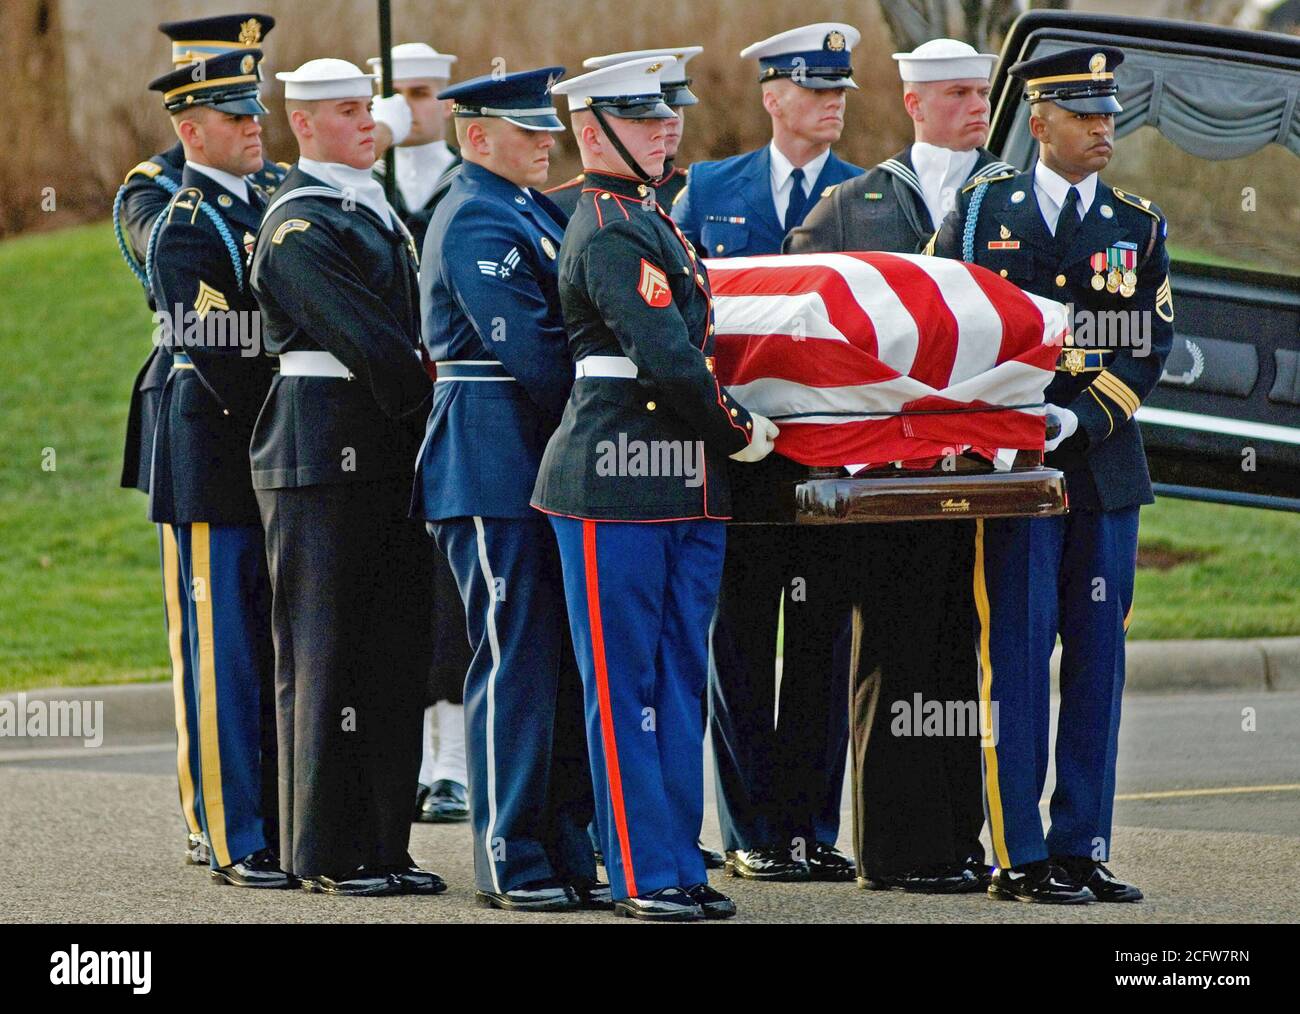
<point x="386" y="87"/>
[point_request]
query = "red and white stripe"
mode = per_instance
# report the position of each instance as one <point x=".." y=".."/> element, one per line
<point x="857" y="333"/>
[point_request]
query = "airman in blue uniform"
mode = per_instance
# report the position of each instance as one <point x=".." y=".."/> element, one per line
<point x="1059" y="231"/>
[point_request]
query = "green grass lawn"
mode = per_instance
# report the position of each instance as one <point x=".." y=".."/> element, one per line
<point x="80" y="596"/>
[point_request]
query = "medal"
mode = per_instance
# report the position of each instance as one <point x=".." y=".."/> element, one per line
<point x="1098" y="263"/>
<point x="1127" y="290"/>
<point x="1130" y="279"/>
<point x="1113" y="281"/>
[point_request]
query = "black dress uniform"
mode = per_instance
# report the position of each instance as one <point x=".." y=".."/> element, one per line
<point x="333" y="456"/>
<point x="1071" y="574"/>
<point x="917" y="805"/>
<point x="667" y="188"/>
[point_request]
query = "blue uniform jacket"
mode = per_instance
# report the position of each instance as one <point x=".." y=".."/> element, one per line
<point x="726" y="209"/>
<point x="489" y="291"/>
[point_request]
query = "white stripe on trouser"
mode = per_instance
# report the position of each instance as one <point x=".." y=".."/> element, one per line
<point x="495" y="645"/>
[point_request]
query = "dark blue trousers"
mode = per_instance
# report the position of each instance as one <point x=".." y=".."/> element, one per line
<point x="530" y="786"/>
<point x="1035" y="578"/>
<point x="184" y="694"/>
<point x="230" y="653"/>
<point x="640" y="597"/>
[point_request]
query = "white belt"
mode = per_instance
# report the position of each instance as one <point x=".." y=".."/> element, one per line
<point x="605" y="366"/>
<point x="312" y="364"/>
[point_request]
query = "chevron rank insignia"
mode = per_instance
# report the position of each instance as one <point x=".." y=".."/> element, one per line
<point x="653" y="286"/>
<point x="288" y="226"/>
<point x="1165" y="301"/>
<point x="503" y="269"/>
<point x="208" y="299"/>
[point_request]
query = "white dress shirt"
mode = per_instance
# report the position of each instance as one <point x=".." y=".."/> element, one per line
<point x="1050" y="188"/>
<point x="942" y="172"/>
<point x="782" y="186"/>
<point x="357" y="183"/>
<point x="237" y="185"/>
<point x="418" y="170"/>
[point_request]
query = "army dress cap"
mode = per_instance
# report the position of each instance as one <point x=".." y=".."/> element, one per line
<point x="630" y="90"/>
<point x="522" y="98"/>
<point x="227" y="83"/>
<point x="204" y="38"/>
<point x="326" y="78"/>
<point x="673" y="81"/>
<point x="815" y="56"/>
<point x="944" y="60"/>
<point x="415" y="59"/>
<point x="1079" y="80"/>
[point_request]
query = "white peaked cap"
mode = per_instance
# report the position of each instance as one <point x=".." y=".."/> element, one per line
<point x="670" y="75"/>
<point x="802" y="40"/>
<point x="632" y="77"/>
<point x="326" y="79"/>
<point x="944" y="60"/>
<point x="416" y="59"/>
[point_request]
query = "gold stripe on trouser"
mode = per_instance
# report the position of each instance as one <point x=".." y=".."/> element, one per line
<point x="991" y="789"/>
<point x="209" y="747"/>
<point x="1128" y="617"/>
<point x="171" y="565"/>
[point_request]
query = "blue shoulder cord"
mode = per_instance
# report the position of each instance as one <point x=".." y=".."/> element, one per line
<point x="972" y="218"/>
<point x="141" y="276"/>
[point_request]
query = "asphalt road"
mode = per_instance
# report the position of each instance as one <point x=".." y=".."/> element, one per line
<point x="1207" y="823"/>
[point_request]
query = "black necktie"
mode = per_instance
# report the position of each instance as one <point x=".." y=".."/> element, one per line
<point x="798" y="201"/>
<point x="1068" y="222"/>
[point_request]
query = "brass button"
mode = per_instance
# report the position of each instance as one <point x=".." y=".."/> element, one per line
<point x="699" y="279"/>
<point x="1003" y="272"/>
<point x="1060" y="281"/>
<point x="604" y="197"/>
<point x="712" y="329"/>
<point x="649" y="406"/>
<point x="719" y="248"/>
<point x="735" y="411"/>
<point x="749" y="425"/>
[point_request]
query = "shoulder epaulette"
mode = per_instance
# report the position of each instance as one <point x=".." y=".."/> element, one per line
<point x="679" y="196"/>
<point x="993" y="178"/>
<point x="829" y="190"/>
<point x="1141" y="203"/>
<point x="146" y="168"/>
<point x="186" y="199"/>
<point x="567" y="184"/>
<point x="286" y="166"/>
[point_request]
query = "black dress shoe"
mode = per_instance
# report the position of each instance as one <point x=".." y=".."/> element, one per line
<point x="668" y="904"/>
<point x="421" y="794"/>
<point x="360" y="883"/>
<point x="261" y="869"/>
<point x="543" y="896"/>
<point x="713" y="859"/>
<point x="196" y="851"/>
<point x="1039" y="882"/>
<point x="982" y="870"/>
<point x="766" y="863"/>
<point x="714" y="904"/>
<point x="956" y="880"/>
<point x="593" y="895"/>
<point x="1095" y="877"/>
<point x="826" y="862"/>
<point x="414" y="880"/>
<point x="447" y="802"/>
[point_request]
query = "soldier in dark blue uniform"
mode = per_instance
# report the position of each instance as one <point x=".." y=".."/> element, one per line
<point x="677" y="96"/>
<point x="333" y="452"/>
<point x="200" y="483"/>
<point x="779" y="787"/>
<point x="493" y="326"/>
<point x="1059" y="231"/>
<point x="634" y="484"/>
<point x="140" y="200"/>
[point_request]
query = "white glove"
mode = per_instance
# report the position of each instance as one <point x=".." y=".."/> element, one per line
<point x="760" y="444"/>
<point x="393" y="112"/>
<point x="1067" y="420"/>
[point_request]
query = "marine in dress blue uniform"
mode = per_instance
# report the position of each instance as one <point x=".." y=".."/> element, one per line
<point x="1101" y="249"/>
<point x="779" y="786"/>
<point x="490" y="305"/>
<point x="140" y="200"/>
<point x="641" y="543"/>
<point x="200" y="481"/>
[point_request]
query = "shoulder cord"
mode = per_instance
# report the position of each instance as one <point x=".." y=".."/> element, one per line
<point x="972" y="219"/>
<point x="141" y="276"/>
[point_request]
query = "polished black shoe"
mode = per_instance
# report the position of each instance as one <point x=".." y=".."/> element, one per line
<point x="668" y="904"/>
<point x="360" y="883"/>
<point x="1039" y="882"/>
<point x="421" y="794"/>
<point x="196" y="851"/>
<point x="261" y="869"/>
<point x="447" y="802"/>
<point x="414" y="880"/>
<point x="713" y="859"/>
<point x="593" y="895"/>
<point x="543" y="896"/>
<point x="957" y="880"/>
<point x="765" y="864"/>
<point x="714" y="904"/>
<point x="826" y="862"/>
<point x="1095" y="877"/>
<point x="982" y="870"/>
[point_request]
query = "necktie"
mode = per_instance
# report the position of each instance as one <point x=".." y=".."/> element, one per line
<point x="798" y="201"/>
<point x="1068" y="222"/>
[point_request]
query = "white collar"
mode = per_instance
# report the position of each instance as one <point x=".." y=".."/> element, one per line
<point x="423" y="156"/>
<point x="941" y="171"/>
<point x="1056" y="186"/>
<point x="782" y="167"/>
<point x="356" y="182"/>
<point x="237" y="185"/>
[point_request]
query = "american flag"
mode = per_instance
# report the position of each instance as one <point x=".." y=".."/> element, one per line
<point x="859" y="358"/>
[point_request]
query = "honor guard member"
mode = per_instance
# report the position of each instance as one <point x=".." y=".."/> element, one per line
<point x="1059" y="231"/>
<point x="641" y="541"/>
<point x="333" y="458"/>
<point x="200" y="484"/>
<point x="918" y="807"/>
<point x="419" y="73"/>
<point x="490" y="304"/>
<point x="779" y="787"/>
<point x="677" y="96"/>
<point x="136" y="209"/>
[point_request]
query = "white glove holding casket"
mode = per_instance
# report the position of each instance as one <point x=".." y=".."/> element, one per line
<point x="761" y="443"/>
<point x="393" y="112"/>
<point x="1066" y="420"/>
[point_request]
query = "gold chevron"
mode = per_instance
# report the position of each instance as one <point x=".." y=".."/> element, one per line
<point x="292" y="225"/>
<point x="208" y="299"/>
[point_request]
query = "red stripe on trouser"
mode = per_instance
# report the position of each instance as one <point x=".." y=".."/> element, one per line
<point x="606" y="711"/>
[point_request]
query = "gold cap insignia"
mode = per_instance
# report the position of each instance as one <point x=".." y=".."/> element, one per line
<point x="835" y="41"/>
<point x="1098" y="63"/>
<point x="654" y="68"/>
<point x="246" y="64"/>
<point x="250" y="32"/>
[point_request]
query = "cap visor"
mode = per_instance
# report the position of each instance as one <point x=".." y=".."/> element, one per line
<point x="1093" y="104"/>
<point x="681" y="96"/>
<point x="248" y="106"/>
<point x="644" y="111"/>
<point x="547" y="122"/>
<point x="824" y="83"/>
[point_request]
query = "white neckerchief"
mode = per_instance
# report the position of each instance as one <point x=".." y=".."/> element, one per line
<point x="1050" y="188"/>
<point x="237" y="185"/>
<point x="356" y="183"/>
<point x="418" y="170"/>
<point x="782" y="167"/>
<point x="942" y="171"/>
